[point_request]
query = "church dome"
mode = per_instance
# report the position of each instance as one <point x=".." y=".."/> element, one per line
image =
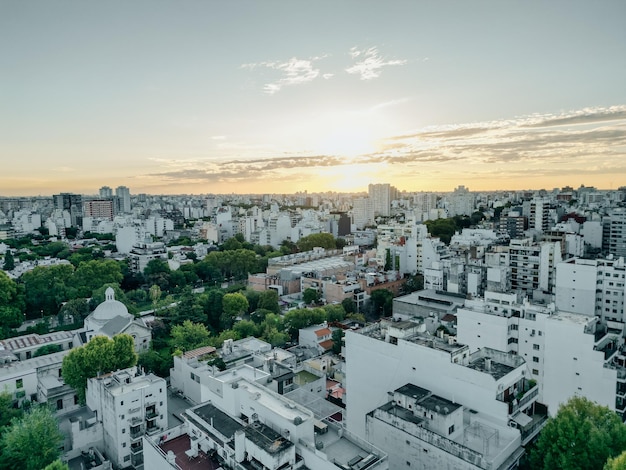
<point x="110" y="308"/>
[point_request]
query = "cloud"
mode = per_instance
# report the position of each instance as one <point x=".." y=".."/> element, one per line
<point x="507" y="147"/>
<point x="370" y="63"/>
<point x="293" y="72"/>
<point x="584" y="116"/>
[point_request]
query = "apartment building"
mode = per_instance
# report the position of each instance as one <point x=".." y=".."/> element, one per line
<point x="419" y="429"/>
<point x="533" y="267"/>
<point x="129" y="404"/>
<point x="592" y="287"/>
<point x="492" y="384"/>
<point x="246" y="426"/>
<point x="568" y="354"/>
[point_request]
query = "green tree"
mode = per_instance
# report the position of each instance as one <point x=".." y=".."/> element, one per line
<point x="381" y="301"/>
<point x="334" y="313"/>
<point x="157" y="271"/>
<point x="76" y="309"/>
<point x="157" y="362"/>
<point x="46" y="288"/>
<point x="617" y="463"/>
<point x="32" y="442"/>
<point x="91" y="275"/>
<point x="189" y="307"/>
<point x="413" y="284"/>
<point x="268" y="300"/>
<point x="212" y="302"/>
<point x="582" y="436"/>
<point x="348" y="305"/>
<point x="190" y="336"/>
<point x="253" y="299"/>
<point x="234" y="305"/>
<point x="47" y="349"/>
<point x="9" y="261"/>
<point x="98" y="356"/>
<point x="442" y="228"/>
<point x="7" y="411"/>
<point x="245" y="328"/>
<point x="323" y="240"/>
<point x="337" y="337"/>
<point x="57" y="465"/>
<point x="310" y="296"/>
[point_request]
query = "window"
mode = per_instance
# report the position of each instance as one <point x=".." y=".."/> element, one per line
<point x="535" y="372"/>
<point x="536" y="347"/>
<point x="126" y="458"/>
<point x="535" y="359"/>
<point x="19" y="383"/>
<point x="123" y="430"/>
<point x="123" y="444"/>
<point x="451" y="429"/>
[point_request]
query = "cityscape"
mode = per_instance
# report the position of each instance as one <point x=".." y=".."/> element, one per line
<point x="312" y="236"/>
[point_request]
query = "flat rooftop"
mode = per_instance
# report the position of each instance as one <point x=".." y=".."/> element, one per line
<point x="414" y="391"/>
<point x="439" y="405"/>
<point x="266" y="438"/>
<point x="178" y="446"/>
<point x="489" y="366"/>
<point x="226" y="425"/>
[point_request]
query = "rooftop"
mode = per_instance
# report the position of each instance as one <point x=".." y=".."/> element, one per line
<point x="218" y="419"/>
<point x="178" y="446"/>
<point x="489" y="366"/>
<point x="266" y="438"/>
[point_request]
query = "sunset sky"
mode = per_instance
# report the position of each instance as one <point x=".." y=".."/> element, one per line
<point x="201" y="96"/>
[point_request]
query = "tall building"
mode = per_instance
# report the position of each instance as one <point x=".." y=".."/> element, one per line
<point x="362" y="212"/>
<point x="129" y="404"/>
<point x="99" y="208"/>
<point x="105" y="192"/>
<point x="429" y="393"/>
<point x="123" y="193"/>
<point x="461" y="202"/>
<point x="381" y="196"/>
<point x="72" y="203"/>
<point x="568" y="354"/>
<point x="592" y="287"/>
<point x="614" y="236"/>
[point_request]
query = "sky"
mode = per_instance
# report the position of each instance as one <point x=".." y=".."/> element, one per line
<point x="264" y="96"/>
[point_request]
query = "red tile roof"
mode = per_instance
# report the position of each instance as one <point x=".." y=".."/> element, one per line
<point x="322" y="332"/>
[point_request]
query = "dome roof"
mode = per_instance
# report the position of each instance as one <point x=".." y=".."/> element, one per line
<point x="110" y="308"/>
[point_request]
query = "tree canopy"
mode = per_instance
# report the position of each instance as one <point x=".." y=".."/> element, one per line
<point x="32" y="442"/>
<point x="98" y="356"/>
<point x="190" y="335"/>
<point x="582" y="436"/>
<point x="617" y="463"/>
<point x="323" y="240"/>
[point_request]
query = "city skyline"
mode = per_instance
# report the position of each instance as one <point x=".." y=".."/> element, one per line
<point x="280" y="97"/>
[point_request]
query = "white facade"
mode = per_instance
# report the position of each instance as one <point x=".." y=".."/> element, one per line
<point x="377" y="362"/>
<point x="129" y="404"/>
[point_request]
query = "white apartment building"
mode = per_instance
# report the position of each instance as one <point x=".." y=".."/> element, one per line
<point x="362" y="212"/>
<point x="248" y="426"/>
<point x="419" y="429"/>
<point x="568" y="354"/>
<point x="533" y="267"/>
<point x="381" y="196"/>
<point x="592" y="287"/>
<point x="129" y="404"/>
<point x="614" y="238"/>
<point x="460" y="202"/>
<point x="492" y="383"/>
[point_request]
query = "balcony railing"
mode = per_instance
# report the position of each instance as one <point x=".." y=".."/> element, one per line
<point x="520" y="403"/>
<point x="151" y="414"/>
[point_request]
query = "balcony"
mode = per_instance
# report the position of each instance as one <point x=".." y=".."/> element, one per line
<point x="136" y="448"/>
<point x="135" y="432"/>
<point x="519" y="401"/>
<point x="151" y="414"/>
